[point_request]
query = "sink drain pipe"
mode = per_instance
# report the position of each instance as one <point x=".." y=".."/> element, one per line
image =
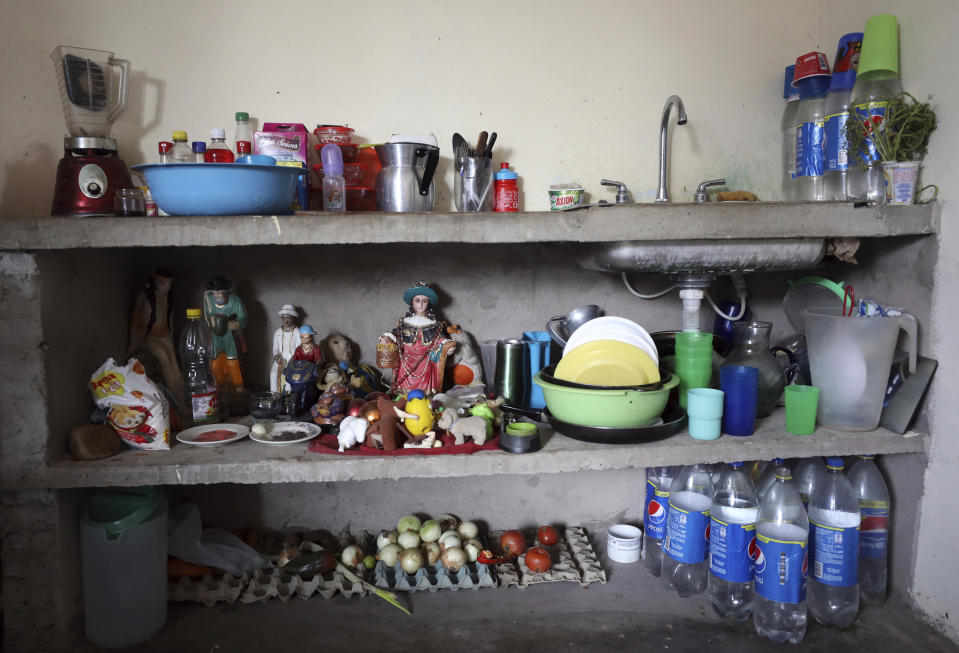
<point x="692" y="290"/>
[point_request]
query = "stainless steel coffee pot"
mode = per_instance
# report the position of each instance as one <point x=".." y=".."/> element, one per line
<point x="405" y="184"/>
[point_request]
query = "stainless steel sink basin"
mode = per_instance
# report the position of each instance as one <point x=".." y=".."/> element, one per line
<point x="721" y="256"/>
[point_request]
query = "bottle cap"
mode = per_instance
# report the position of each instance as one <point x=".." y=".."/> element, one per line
<point x="834" y="463"/>
<point x="789" y="91"/>
<point x="505" y="173"/>
<point x="811" y="64"/>
<point x="736" y="465"/>
<point x="216" y="132"/>
<point x="779" y="461"/>
<point x="846" y="62"/>
<point x="784" y="474"/>
<point x="199" y="146"/>
<point x="194" y="313"/>
<point x="880" y="48"/>
<point x="242" y="115"/>
<point x="179" y="136"/>
<point x="165" y="146"/>
<point x="332" y="159"/>
<point x="867" y="456"/>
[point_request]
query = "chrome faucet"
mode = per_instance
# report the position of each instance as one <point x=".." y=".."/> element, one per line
<point x="662" y="195"/>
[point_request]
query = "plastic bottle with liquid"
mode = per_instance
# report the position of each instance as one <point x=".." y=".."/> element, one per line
<point x="788" y="129"/>
<point x="781" y="563"/>
<point x="163" y="148"/>
<point x="658" y="482"/>
<point x="334" y="185"/>
<point x="243" y="148"/>
<point x="218" y="151"/>
<point x="243" y="131"/>
<point x="837" y="114"/>
<point x="875" y="508"/>
<point x="199" y="151"/>
<point x="807" y="474"/>
<point x="834" y="548"/>
<point x="732" y="531"/>
<point x="506" y="197"/>
<point x="812" y="77"/>
<point x="181" y="152"/>
<point x="768" y="477"/>
<point x="685" y="567"/>
<point x="199" y="384"/>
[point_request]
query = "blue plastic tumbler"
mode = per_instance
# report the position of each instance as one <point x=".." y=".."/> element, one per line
<point x="741" y="385"/>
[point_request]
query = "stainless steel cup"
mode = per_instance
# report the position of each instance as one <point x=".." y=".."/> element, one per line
<point x="473" y="184"/>
<point x="512" y="372"/>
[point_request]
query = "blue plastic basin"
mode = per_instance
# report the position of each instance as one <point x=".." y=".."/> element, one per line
<point x="221" y="188"/>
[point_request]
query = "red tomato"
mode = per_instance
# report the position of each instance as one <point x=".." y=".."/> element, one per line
<point x="512" y="542"/>
<point x="537" y="559"/>
<point x="547" y="535"/>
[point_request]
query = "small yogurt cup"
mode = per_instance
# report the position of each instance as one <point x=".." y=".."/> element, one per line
<point x="623" y="542"/>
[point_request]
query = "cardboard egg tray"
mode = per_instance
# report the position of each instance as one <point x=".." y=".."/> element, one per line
<point x="472" y="575"/>
<point x="573" y="560"/>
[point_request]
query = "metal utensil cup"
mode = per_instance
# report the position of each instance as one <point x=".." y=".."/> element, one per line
<point x="512" y="372"/>
<point x="472" y="185"/>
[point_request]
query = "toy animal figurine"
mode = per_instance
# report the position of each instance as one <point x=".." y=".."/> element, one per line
<point x="450" y="403"/>
<point x="384" y="432"/>
<point x="418" y="414"/>
<point x="465" y="361"/>
<point x="352" y="432"/>
<point x="460" y="427"/>
<point x="329" y="376"/>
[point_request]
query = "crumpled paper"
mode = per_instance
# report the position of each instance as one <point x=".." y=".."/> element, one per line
<point x="843" y="249"/>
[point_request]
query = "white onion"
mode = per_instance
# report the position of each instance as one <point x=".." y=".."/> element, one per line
<point x="352" y="557"/>
<point x="450" y="540"/>
<point x="408" y="539"/>
<point x="431" y="551"/>
<point x="389" y="554"/>
<point x="408" y="523"/>
<point x="453" y="558"/>
<point x="411" y="560"/>
<point x="384" y="538"/>
<point x="431" y="531"/>
<point x="468" y="530"/>
<point x="448" y="522"/>
<point x="473" y="548"/>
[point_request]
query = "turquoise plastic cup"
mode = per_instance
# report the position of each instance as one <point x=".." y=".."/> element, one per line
<point x="705" y="411"/>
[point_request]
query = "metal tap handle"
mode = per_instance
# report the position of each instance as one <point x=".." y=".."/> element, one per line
<point x="701" y="195"/>
<point x="622" y="193"/>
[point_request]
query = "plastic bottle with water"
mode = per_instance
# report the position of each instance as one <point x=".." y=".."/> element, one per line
<point x="732" y="531"/>
<point x="199" y="384"/>
<point x="768" y="477"/>
<point x="837" y="114"/>
<point x="834" y="547"/>
<point x="812" y="77"/>
<point x="685" y="567"/>
<point x="780" y="558"/>
<point x="875" y="508"/>
<point x="658" y="482"/>
<point x="788" y="129"/>
<point x="806" y="476"/>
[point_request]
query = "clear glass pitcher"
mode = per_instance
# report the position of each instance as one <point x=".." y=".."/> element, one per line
<point x="85" y="79"/>
<point x="751" y="347"/>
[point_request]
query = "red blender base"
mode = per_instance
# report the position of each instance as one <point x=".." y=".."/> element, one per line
<point x="87" y="181"/>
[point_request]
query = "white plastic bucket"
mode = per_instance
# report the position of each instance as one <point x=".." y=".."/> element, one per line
<point x="901" y="179"/>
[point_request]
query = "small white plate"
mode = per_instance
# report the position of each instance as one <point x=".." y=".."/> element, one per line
<point x="283" y="433"/>
<point x="585" y="332"/>
<point x="197" y="435"/>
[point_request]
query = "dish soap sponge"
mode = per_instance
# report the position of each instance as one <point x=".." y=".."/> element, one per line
<point x="334" y="185"/>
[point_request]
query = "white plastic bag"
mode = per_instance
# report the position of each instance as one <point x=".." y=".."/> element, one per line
<point x="214" y="547"/>
<point x="138" y="412"/>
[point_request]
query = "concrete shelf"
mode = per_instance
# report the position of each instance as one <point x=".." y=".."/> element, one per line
<point x="649" y="222"/>
<point x="249" y="462"/>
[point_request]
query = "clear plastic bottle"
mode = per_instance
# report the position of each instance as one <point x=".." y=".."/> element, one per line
<point x="768" y="477"/>
<point x="181" y="151"/>
<point x="812" y="76"/>
<point x="780" y="556"/>
<point x="875" y="508"/>
<point x="732" y="534"/>
<point x="869" y="99"/>
<point x="199" y="151"/>
<point x="199" y="384"/>
<point x="834" y="548"/>
<point x="837" y="113"/>
<point x="243" y="148"/>
<point x="658" y="482"/>
<point x="807" y="474"/>
<point x="788" y="129"/>
<point x="334" y="185"/>
<point x="685" y="568"/>
<point x="243" y="131"/>
<point x="218" y="151"/>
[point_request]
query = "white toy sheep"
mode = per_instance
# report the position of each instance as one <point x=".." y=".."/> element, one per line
<point x="352" y="432"/>
<point x="460" y="427"/>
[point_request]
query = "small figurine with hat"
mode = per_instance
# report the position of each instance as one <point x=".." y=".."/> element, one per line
<point x="226" y="315"/>
<point x="419" y="342"/>
<point x="308" y="349"/>
<point x="285" y="341"/>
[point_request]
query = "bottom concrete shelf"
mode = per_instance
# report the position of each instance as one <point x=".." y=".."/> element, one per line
<point x="249" y="462"/>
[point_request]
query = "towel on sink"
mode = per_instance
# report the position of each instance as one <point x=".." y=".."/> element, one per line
<point x="736" y="196"/>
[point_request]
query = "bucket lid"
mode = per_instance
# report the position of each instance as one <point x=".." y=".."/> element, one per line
<point x="118" y="509"/>
<point x="810" y="292"/>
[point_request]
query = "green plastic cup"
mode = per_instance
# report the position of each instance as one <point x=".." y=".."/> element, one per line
<point x="801" y="404"/>
<point x="692" y="376"/>
<point x="879" y="57"/>
<point x="693" y="343"/>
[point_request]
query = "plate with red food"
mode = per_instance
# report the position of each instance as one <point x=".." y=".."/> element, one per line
<point x="282" y="433"/>
<point x="213" y="435"/>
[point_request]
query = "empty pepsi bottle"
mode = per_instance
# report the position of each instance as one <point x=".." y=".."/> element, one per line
<point x="658" y="482"/>
<point x="768" y="477"/>
<point x="732" y="534"/>
<point x="806" y="475"/>
<point x="687" y="531"/>
<point x="781" y="563"/>
<point x="834" y="547"/>
<point x="874" y="506"/>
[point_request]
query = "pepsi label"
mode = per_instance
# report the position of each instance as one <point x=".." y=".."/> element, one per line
<point x="654" y="516"/>
<point x="872" y="113"/>
<point x="834" y="142"/>
<point x="732" y="549"/>
<point x="874" y="528"/>
<point x="687" y="532"/>
<point x="835" y="552"/>
<point x="809" y="149"/>
<point x="781" y="566"/>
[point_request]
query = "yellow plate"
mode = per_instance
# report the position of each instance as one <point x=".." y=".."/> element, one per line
<point x="607" y="362"/>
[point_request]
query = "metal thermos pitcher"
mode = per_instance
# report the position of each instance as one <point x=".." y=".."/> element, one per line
<point x="405" y="184"/>
<point x="512" y="372"/>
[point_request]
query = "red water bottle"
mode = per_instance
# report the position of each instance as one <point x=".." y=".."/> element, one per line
<point x="505" y="189"/>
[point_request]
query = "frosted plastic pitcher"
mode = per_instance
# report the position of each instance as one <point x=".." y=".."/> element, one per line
<point x="850" y="359"/>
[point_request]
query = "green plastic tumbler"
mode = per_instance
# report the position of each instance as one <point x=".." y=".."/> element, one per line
<point x="879" y="57"/>
<point x="801" y="404"/>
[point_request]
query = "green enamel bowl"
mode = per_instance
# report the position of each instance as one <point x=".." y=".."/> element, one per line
<point x="609" y="407"/>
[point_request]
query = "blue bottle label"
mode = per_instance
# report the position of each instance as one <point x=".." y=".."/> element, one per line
<point x="874" y="528"/>
<point x="781" y="568"/>
<point x="687" y="533"/>
<point x="835" y="554"/>
<point x="874" y="113"/>
<point x="835" y="142"/>
<point x="657" y="507"/>
<point x="809" y="151"/>
<point x="730" y="546"/>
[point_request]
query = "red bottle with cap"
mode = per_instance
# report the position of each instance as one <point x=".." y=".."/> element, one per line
<point x="505" y="189"/>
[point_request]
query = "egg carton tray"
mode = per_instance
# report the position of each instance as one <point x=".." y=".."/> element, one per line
<point x="209" y="590"/>
<point x="573" y="560"/>
<point x="432" y="578"/>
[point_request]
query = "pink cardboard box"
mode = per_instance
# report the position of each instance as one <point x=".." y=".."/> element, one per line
<point x="283" y="141"/>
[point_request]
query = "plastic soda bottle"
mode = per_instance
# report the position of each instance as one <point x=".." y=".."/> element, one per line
<point x="687" y="531"/>
<point x="732" y="535"/>
<point x="781" y="563"/>
<point x="658" y="482"/>
<point x="875" y="508"/>
<point x="806" y="476"/>
<point x="199" y="384"/>
<point x="768" y="477"/>
<point x="788" y="128"/>
<point x="837" y="114"/>
<point x="218" y="151"/>
<point x="834" y="547"/>
<point x="180" y="152"/>
<point x="199" y="151"/>
<point x="243" y="132"/>
<point x="812" y="78"/>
